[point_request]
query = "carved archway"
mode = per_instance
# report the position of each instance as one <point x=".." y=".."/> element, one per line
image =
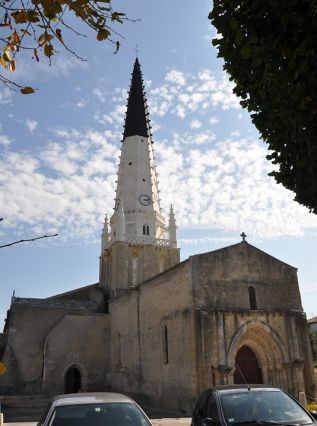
<point x="268" y="348"/>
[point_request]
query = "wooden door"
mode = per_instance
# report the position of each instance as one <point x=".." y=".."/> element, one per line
<point x="247" y="367"/>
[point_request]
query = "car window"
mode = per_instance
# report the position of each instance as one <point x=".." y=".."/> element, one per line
<point x="211" y="408"/>
<point x="267" y="406"/>
<point x="114" y="414"/>
<point x="202" y="405"/>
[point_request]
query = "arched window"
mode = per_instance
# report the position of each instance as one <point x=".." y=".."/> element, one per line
<point x="72" y="380"/>
<point x="146" y="230"/>
<point x="252" y="298"/>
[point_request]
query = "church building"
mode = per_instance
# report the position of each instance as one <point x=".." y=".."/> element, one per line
<point x="154" y="327"/>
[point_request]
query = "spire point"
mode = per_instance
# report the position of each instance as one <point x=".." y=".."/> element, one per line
<point x="136" y="121"/>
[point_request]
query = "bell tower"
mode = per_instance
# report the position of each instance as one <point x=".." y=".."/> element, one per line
<point x="139" y="244"/>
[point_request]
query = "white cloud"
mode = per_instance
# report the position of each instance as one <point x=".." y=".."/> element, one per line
<point x="195" y="124"/>
<point x="99" y="95"/>
<point x="31" y="125"/>
<point x="176" y="76"/>
<point x="28" y="71"/>
<point x="215" y="183"/>
<point x="81" y="103"/>
<point x="4" y="140"/>
<point x="5" y="95"/>
<point x="213" y="120"/>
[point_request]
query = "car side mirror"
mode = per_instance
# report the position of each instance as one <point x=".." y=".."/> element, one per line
<point x="208" y="422"/>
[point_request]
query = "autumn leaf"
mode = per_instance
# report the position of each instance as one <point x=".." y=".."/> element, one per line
<point x="19" y="16"/>
<point x="6" y="55"/>
<point x="59" y="34"/>
<point x="22" y="16"/>
<point x="48" y="50"/>
<point x="103" y="34"/>
<point x="45" y="38"/>
<point x="27" y="90"/>
<point x="12" y="66"/>
<point x="3" y="62"/>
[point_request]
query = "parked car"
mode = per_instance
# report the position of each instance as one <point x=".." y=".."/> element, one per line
<point x="255" y="404"/>
<point x="94" y="409"/>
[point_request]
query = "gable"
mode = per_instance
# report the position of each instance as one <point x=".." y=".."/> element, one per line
<point x="243" y="261"/>
<point x="222" y="279"/>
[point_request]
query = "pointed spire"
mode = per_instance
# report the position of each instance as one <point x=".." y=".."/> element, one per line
<point x="172" y="225"/>
<point x="105" y="234"/>
<point x="136" y="122"/>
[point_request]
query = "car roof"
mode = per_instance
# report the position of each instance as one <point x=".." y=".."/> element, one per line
<point x="243" y="388"/>
<point x="91" y="398"/>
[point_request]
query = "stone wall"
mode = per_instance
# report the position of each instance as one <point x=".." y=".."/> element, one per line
<point x="139" y="357"/>
<point x="80" y="341"/>
<point x="30" y="321"/>
<point x="125" y="264"/>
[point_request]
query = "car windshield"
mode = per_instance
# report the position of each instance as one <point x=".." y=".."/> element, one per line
<point x="261" y="406"/>
<point x="112" y="414"/>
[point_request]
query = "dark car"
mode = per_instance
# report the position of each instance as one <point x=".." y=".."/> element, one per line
<point x="94" y="409"/>
<point x="256" y="404"/>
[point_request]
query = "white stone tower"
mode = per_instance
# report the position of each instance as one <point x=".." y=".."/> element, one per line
<point x="136" y="248"/>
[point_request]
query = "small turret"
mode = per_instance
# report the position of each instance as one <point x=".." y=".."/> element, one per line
<point x="172" y="227"/>
<point x="105" y="234"/>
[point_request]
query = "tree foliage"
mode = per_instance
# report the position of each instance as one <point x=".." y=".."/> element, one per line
<point x="269" y="50"/>
<point x="39" y="27"/>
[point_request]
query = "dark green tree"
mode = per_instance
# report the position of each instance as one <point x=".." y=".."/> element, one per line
<point x="269" y="49"/>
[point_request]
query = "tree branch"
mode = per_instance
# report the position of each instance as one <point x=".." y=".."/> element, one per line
<point x="31" y="239"/>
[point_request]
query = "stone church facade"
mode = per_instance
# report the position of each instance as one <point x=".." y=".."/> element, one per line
<point x="156" y="328"/>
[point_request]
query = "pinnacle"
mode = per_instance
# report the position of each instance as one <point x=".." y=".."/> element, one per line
<point x="136" y="122"/>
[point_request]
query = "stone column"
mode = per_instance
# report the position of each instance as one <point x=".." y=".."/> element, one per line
<point x="222" y="355"/>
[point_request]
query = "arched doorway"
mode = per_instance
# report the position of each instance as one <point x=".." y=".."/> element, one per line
<point x="72" y="380"/>
<point x="247" y="367"/>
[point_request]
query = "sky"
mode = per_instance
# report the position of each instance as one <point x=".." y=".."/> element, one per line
<point x="60" y="147"/>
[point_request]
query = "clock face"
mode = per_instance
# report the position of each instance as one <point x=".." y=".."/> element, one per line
<point x="145" y="200"/>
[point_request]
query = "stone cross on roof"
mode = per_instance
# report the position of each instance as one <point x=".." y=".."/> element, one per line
<point x="244" y="236"/>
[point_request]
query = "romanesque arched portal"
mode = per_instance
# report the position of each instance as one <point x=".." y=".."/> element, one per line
<point x="258" y="344"/>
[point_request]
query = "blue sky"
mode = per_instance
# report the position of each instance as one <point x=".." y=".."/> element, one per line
<point x="60" y="147"/>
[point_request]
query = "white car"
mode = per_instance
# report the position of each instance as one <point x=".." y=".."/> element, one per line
<point x="94" y="409"/>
